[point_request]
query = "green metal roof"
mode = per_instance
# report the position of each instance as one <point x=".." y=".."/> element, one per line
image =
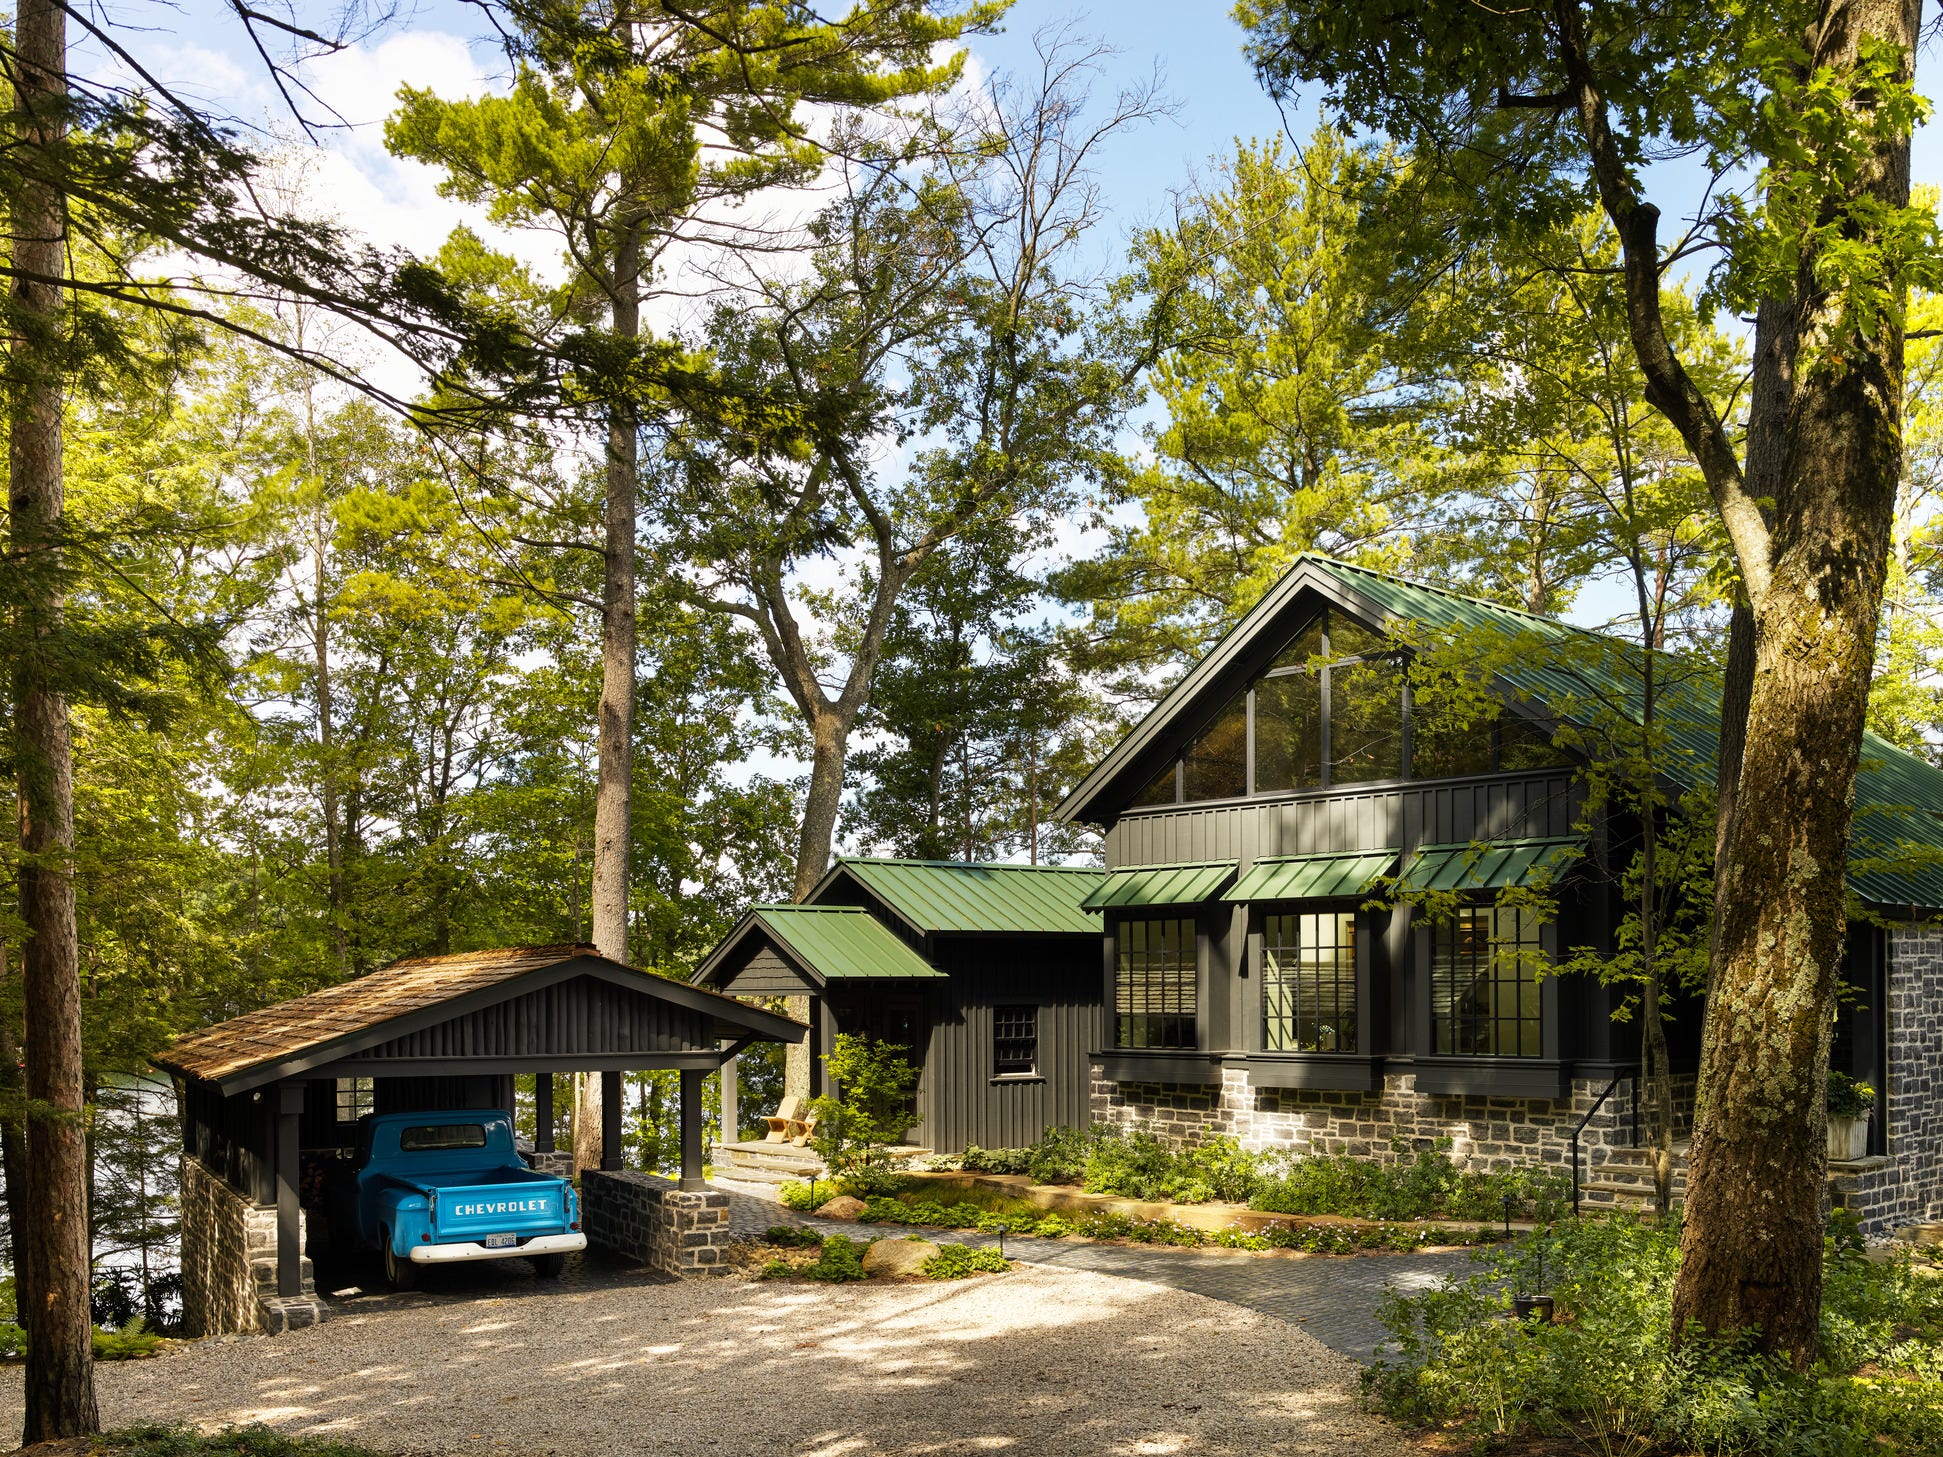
<point x="1896" y="850"/>
<point x="844" y="943"/>
<point x="1492" y="866"/>
<point x="1160" y="885"/>
<point x="1312" y="877"/>
<point x="958" y="895"/>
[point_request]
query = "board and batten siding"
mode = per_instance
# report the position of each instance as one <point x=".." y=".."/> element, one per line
<point x="766" y="975"/>
<point x="960" y="1100"/>
<point x="1436" y="812"/>
<point x="583" y="1016"/>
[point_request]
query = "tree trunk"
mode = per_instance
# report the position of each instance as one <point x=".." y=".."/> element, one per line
<point x="830" y="746"/>
<point x="1752" y="1242"/>
<point x="614" y="773"/>
<point x="13" y="1153"/>
<point x="60" y="1361"/>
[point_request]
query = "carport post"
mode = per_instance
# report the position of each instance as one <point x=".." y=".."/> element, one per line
<point x="731" y="1111"/>
<point x="290" y="1273"/>
<point x="543" y="1112"/>
<point x="610" y="1120"/>
<point x="693" y="1080"/>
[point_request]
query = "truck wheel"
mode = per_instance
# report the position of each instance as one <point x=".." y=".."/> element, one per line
<point x="399" y="1274"/>
<point x="548" y="1267"/>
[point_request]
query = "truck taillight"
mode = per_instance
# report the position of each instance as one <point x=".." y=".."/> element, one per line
<point x="574" y="1225"/>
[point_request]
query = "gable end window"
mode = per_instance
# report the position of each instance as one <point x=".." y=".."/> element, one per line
<point x="1015" y="1040"/>
<point x="1155" y="996"/>
<point x="1484" y="992"/>
<point x="1309" y="982"/>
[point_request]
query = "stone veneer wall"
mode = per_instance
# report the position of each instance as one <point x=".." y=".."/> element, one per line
<point x="1906" y="1187"/>
<point x="229" y="1262"/>
<point x="1486" y="1133"/>
<point x="646" y="1218"/>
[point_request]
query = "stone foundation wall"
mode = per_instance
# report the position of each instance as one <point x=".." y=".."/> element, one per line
<point x="229" y="1262"/>
<point x="1485" y="1133"/>
<point x="1906" y="1187"/>
<point x="646" y="1218"/>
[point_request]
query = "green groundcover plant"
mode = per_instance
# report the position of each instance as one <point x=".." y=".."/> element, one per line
<point x="1604" y="1372"/>
<point x="960" y="1262"/>
<point x="131" y="1342"/>
<point x="1415" y="1183"/>
<point x="168" y="1441"/>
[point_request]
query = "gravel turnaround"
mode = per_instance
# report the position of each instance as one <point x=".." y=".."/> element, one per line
<point x="1035" y="1361"/>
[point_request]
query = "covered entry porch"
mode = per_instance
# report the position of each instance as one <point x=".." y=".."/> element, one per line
<point x="270" y="1100"/>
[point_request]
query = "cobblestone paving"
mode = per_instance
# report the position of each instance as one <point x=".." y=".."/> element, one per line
<point x="1332" y="1297"/>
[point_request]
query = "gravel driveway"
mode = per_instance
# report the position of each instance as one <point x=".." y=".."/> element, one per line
<point x="1039" y="1360"/>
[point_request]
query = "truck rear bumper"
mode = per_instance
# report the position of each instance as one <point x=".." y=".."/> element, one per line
<point x="540" y="1244"/>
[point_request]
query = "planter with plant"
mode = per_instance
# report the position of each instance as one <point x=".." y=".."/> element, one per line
<point x="1850" y="1104"/>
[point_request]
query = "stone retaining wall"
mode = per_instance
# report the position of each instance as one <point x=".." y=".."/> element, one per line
<point x="1485" y="1133"/>
<point x="229" y="1262"/>
<point x="646" y="1218"/>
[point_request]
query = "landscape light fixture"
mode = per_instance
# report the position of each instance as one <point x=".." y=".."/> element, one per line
<point x="1507" y="1216"/>
<point x="1001" y="1241"/>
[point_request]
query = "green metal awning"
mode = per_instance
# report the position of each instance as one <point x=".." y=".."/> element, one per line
<point x="1312" y="877"/>
<point x="1159" y="885"/>
<point x="843" y="943"/>
<point x="1493" y="865"/>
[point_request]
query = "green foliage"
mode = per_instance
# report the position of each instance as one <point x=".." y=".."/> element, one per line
<point x="1606" y="1367"/>
<point x="1428" y="1185"/>
<point x="789" y="1236"/>
<point x="798" y="1196"/>
<point x="872" y="1110"/>
<point x="1848" y="1098"/>
<point x="958" y="1262"/>
<point x="132" y="1342"/>
<point x="976" y="1160"/>
<point x="841" y="1260"/>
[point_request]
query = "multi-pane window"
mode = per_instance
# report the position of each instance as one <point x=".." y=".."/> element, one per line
<point x="1309" y="982"/>
<point x="1332" y="708"/>
<point x="1484" y="998"/>
<point x="354" y="1099"/>
<point x="1015" y="1039"/>
<point x="1154" y="995"/>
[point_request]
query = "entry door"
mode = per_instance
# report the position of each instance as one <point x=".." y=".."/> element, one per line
<point x="898" y="1020"/>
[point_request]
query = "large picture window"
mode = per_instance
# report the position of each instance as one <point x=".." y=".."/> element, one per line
<point x="1336" y="707"/>
<point x="1154" y="993"/>
<point x="1484" y="993"/>
<point x="1309" y="982"/>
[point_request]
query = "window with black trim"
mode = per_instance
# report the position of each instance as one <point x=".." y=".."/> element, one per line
<point x="1309" y="982"/>
<point x="354" y="1099"/>
<point x="1015" y="1040"/>
<point x="1484" y="991"/>
<point x="1154" y="984"/>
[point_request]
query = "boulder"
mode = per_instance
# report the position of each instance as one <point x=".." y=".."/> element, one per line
<point x="841" y="1207"/>
<point x="898" y="1256"/>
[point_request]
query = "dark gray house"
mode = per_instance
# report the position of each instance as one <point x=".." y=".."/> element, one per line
<point x="990" y="973"/>
<point x="1256" y="988"/>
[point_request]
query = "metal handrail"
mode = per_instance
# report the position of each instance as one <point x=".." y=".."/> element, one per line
<point x="1598" y="1103"/>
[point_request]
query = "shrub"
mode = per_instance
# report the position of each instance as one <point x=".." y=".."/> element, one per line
<point x="1060" y="1157"/>
<point x="1428" y="1185"/>
<point x="956" y="1262"/>
<point x="132" y="1342"/>
<point x="976" y="1160"/>
<point x="1847" y="1098"/>
<point x="775" y="1270"/>
<point x="842" y="1259"/>
<point x="854" y="1131"/>
<point x="1606" y="1367"/>
<point x="791" y="1237"/>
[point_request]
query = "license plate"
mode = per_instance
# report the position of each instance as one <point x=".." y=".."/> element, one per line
<point x="500" y="1241"/>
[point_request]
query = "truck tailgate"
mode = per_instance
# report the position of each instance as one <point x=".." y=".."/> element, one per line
<point x="470" y="1212"/>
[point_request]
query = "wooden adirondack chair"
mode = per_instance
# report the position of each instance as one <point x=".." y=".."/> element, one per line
<point x="784" y="1122"/>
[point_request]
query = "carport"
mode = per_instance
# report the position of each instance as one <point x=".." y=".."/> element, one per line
<point x="267" y="1098"/>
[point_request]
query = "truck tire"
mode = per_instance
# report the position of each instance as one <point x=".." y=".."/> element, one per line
<point x="548" y="1267"/>
<point x="399" y="1274"/>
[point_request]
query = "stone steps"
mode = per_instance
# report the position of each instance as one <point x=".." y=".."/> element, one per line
<point x="760" y="1162"/>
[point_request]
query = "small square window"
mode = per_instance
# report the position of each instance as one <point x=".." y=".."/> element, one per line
<point x="1015" y="1040"/>
<point x="354" y="1099"/>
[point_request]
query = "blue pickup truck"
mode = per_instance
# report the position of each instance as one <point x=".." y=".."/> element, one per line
<point x="433" y="1188"/>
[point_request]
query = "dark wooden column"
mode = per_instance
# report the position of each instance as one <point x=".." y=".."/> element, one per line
<point x="693" y="1083"/>
<point x="290" y="1254"/>
<point x="543" y="1112"/>
<point x="823" y="1033"/>
<point x="610" y="1120"/>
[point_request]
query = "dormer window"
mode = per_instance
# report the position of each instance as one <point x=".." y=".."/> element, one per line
<point x="1334" y="708"/>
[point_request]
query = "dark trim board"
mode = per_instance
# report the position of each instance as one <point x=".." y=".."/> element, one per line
<point x="1493" y="1077"/>
<point x="1158" y="1065"/>
<point x="497" y="1066"/>
<point x="1335" y="1071"/>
